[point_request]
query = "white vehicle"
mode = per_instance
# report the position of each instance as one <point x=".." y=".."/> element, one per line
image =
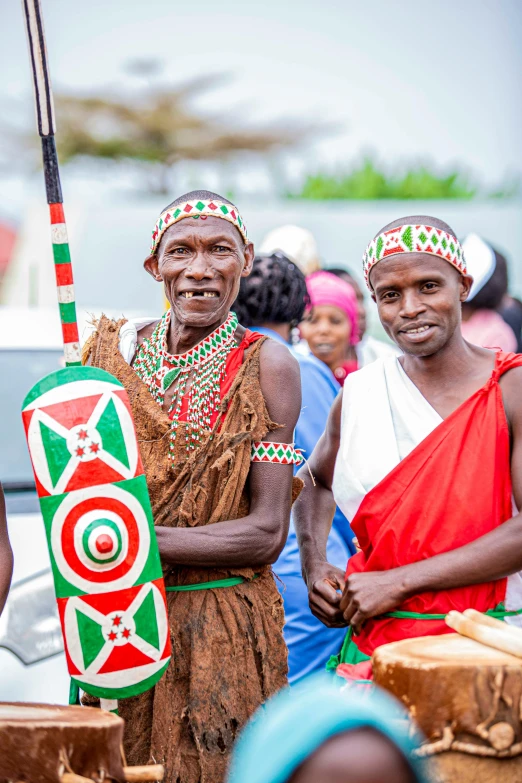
<point x="30" y="347"/>
<point x="32" y="661"/>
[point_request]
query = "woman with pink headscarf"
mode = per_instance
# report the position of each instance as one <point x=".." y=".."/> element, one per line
<point x="330" y="325"/>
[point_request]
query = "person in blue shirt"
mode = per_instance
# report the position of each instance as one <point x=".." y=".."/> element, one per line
<point x="272" y="301"/>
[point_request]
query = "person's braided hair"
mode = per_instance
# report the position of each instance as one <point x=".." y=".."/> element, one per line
<point x="274" y="292"/>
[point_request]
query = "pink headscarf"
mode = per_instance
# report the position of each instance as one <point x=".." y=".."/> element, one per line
<point x="327" y="289"/>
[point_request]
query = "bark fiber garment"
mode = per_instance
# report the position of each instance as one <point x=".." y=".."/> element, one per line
<point x="228" y="653"/>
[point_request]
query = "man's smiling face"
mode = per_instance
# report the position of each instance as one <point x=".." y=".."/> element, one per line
<point x="419" y="299"/>
<point x="200" y="263"/>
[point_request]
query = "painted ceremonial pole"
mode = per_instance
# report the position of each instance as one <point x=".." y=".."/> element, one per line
<point x="46" y="129"/>
<point x="91" y="483"/>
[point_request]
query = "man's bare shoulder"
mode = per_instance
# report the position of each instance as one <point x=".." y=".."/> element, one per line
<point x="511" y="385"/>
<point x="280" y="380"/>
<point x="276" y="357"/>
<point x="146" y="331"/>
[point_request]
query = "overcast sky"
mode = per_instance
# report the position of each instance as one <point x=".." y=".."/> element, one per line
<point x="408" y="78"/>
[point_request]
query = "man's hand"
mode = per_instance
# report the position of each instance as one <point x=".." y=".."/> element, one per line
<point x="324" y="582"/>
<point x="370" y="594"/>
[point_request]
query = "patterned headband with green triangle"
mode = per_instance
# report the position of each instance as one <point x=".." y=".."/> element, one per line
<point x="196" y="209"/>
<point x="414" y="239"/>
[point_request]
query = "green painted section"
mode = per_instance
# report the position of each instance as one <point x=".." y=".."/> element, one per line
<point x="67" y="312"/>
<point x="56" y="452"/>
<point x="152" y="569"/>
<point x="111" y="433"/>
<point x="91" y="637"/>
<point x="61" y="254"/>
<point x="146" y="622"/>
<point x="122" y="693"/>
<point x="68" y="375"/>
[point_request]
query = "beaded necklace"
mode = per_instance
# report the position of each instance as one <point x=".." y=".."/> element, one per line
<point x="159" y="369"/>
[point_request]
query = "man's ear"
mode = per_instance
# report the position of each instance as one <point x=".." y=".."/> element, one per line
<point x="151" y="265"/>
<point x="249" y="259"/>
<point x="466" y="281"/>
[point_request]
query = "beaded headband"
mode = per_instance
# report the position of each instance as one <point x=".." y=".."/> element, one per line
<point x="414" y="239"/>
<point x="196" y="209"/>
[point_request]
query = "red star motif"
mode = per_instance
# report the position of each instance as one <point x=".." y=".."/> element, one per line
<point x="126" y="633"/>
<point x="116" y="621"/>
<point x="95" y="447"/>
<point x="112" y="636"/>
<point x="82" y="434"/>
<point x="80" y="451"/>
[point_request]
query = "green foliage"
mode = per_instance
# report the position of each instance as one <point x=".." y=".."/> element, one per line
<point x="367" y="181"/>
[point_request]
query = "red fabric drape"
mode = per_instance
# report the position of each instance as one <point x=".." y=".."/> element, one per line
<point x="452" y="488"/>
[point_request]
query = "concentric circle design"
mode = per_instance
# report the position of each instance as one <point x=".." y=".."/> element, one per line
<point x="100" y="539"/>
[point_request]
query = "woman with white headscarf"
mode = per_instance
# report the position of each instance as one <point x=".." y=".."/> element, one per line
<point x="481" y="323"/>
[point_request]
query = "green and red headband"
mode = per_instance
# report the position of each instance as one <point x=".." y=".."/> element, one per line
<point x="414" y="239"/>
<point x="196" y="209"/>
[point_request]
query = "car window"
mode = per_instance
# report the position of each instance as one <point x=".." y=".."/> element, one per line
<point x="19" y="371"/>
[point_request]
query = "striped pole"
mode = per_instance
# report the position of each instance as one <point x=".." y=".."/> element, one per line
<point x="46" y="130"/>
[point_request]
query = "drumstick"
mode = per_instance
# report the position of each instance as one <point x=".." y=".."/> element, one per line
<point x="492" y="637"/>
<point x="146" y="774"/>
<point x="149" y="773"/>
<point x="492" y="622"/>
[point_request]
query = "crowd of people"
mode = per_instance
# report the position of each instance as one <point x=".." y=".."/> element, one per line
<point x="317" y="491"/>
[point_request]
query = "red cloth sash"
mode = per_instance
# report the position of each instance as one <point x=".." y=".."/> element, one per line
<point x="454" y="487"/>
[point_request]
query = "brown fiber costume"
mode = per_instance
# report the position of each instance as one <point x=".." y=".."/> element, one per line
<point x="228" y="653"/>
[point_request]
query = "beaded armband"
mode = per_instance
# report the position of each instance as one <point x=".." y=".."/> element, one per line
<point x="279" y="453"/>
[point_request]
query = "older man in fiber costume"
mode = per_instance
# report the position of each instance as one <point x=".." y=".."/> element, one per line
<point x="215" y="406"/>
<point x="423" y="454"/>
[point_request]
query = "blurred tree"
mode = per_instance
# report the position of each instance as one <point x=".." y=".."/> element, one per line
<point x="367" y="181"/>
<point x="156" y="129"/>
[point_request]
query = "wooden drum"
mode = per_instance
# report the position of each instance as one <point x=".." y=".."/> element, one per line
<point x="42" y="743"/>
<point x="465" y="697"/>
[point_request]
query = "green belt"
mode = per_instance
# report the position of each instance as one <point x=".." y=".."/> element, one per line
<point x="351" y="654"/>
<point x="229" y="582"/>
<point x="499" y="613"/>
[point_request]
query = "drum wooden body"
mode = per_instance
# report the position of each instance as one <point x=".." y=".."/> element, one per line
<point x="465" y="697"/>
<point x="39" y="743"/>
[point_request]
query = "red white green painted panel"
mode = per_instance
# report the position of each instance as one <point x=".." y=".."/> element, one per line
<point x="100" y="531"/>
<point x="101" y="538"/>
<point x="80" y="432"/>
<point x="116" y="641"/>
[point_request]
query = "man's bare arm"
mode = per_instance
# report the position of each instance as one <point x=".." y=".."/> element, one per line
<point x="258" y="538"/>
<point x="492" y="556"/>
<point x="313" y="514"/>
<point x="6" y="555"/>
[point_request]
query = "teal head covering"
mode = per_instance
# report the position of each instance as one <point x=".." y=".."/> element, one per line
<point x="298" y="720"/>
